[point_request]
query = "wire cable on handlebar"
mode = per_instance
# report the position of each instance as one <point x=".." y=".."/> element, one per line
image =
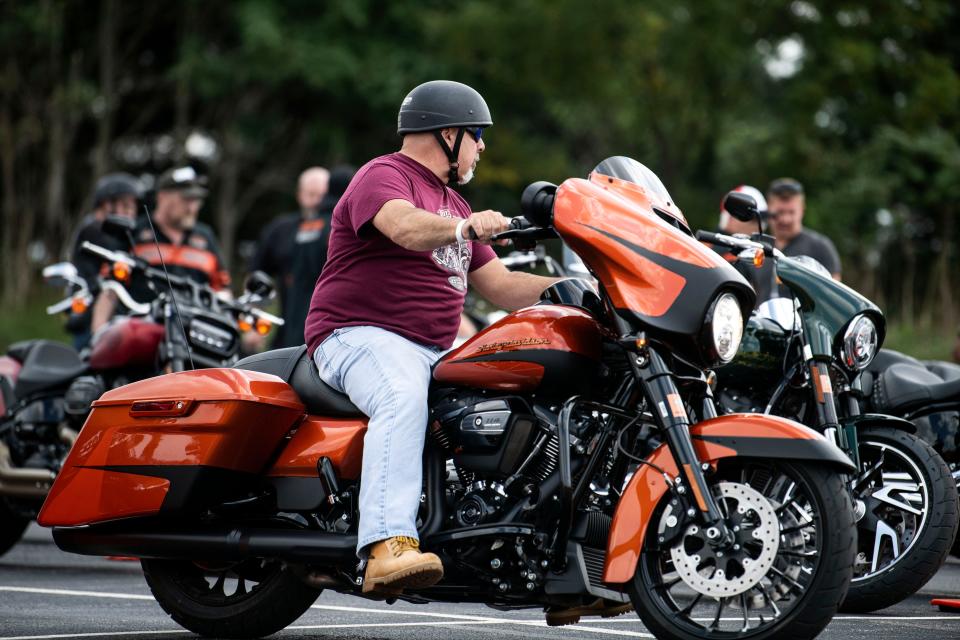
<point x="176" y="307"/>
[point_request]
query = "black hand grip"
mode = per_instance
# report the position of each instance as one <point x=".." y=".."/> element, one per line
<point x="471" y="234"/>
<point x="709" y="236"/>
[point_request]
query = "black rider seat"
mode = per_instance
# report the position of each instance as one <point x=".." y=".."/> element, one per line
<point x="295" y="367"/>
<point x="46" y="365"/>
<point x="904" y="386"/>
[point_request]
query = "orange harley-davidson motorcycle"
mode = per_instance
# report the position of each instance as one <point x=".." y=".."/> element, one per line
<point x="575" y="455"/>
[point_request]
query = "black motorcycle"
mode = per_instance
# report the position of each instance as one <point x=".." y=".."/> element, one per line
<point x="927" y="393"/>
<point x="805" y="358"/>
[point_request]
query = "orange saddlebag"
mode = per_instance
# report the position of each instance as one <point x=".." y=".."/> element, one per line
<point x="166" y="443"/>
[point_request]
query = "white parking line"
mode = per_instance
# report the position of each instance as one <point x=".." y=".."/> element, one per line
<point x="71" y="592"/>
<point x="96" y="634"/>
<point x="445" y="619"/>
<point x="449" y="619"/>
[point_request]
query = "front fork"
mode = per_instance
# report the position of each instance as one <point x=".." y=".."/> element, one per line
<point x="826" y="402"/>
<point x="669" y="409"/>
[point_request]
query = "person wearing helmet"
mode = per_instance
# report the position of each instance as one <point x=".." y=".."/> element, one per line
<point x="115" y="194"/>
<point x="402" y="247"/>
<point x="762" y="279"/>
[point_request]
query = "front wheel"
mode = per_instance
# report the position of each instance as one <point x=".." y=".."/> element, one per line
<point x="906" y="502"/>
<point x="783" y="573"/>
<point x="248" y="599"/>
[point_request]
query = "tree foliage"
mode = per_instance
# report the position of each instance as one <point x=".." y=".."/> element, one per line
<point x="859" y="100"/>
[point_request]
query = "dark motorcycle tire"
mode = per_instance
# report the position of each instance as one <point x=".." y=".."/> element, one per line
<point x="12" y="526"/>
<point x="931" y="547"/>
<point x="818" y="603"/>
<point x="275" y="605"/>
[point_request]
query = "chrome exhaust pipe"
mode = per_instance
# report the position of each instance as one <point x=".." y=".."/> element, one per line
<point x="17" y="482"/>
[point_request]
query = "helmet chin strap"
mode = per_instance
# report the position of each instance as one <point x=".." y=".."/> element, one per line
<point x="453" y="155"/>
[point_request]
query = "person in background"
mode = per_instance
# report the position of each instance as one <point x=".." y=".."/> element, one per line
<point x="763" y="280"/>
<point x="787" y="201"/>
<point x="276" y="245"/>
<point x="115" y="194"/>
<point x="189" y="249"/>
<point x="308" y="257"/>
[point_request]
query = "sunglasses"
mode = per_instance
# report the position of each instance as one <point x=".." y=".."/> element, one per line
<point x="475" y="133"/>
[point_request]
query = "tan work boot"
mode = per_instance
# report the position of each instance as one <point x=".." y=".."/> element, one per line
<point x="397" y="563"/>
<point x="600" y="607"/>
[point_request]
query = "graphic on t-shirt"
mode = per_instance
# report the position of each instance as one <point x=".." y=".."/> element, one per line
<point x="455" y="258"/>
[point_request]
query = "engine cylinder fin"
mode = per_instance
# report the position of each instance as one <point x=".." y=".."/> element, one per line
<point x="548" y="460"/>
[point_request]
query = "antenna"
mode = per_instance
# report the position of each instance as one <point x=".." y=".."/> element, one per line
<point x="156" y="241"/>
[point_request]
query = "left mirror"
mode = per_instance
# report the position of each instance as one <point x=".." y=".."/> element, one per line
<point x="61" y="274"/>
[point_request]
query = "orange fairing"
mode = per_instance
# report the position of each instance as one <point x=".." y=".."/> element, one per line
<point x="723" y="437"/>
<point x="121" y="464"/>
<point x="340" y="440"/>
<point x="612" y="225"/>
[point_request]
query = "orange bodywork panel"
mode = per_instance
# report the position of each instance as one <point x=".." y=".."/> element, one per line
<point x="340" y="440"/>
<point x="648" y="486"/>
<point x="506" y="356"/>
<point x="595" y="216"/>
<point x="231" y="419"/>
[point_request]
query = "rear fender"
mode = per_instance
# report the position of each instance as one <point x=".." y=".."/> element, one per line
<point x="737" y="435"/>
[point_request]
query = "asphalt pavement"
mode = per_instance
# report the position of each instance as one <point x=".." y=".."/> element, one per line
<point x="46" y="594"/>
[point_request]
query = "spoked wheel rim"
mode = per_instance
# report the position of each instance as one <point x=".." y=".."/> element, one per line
<point x="892" y="499"/>
<point x="776" y="567"/>
<point x="225" y="584"/>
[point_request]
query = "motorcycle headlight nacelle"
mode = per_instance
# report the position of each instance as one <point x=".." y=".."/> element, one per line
<point x="859" y="343"/>
<point x="723" y="328"/>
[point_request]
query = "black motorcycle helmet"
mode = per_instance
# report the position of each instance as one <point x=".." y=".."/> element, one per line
<point x="116" y="185"/>
<point x="443" y="104"/>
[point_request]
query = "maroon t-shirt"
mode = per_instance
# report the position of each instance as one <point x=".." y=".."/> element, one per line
<point x="370" y="280"/>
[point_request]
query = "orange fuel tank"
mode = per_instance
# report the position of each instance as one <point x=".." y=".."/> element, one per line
<point x="549" y="349"/>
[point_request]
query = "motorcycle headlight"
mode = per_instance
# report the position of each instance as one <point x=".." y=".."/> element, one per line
<point x="724" y="326"/>
<point x="859" y="343"/>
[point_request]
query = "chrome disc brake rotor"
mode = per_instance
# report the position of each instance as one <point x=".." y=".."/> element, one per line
<point x="721" y="572"/>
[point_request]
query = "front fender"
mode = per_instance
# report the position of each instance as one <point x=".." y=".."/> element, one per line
<point x="743" y="435"/>
<point x="878" y="420"/>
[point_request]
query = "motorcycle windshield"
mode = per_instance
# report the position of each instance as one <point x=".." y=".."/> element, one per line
<point x="629" y="170"/>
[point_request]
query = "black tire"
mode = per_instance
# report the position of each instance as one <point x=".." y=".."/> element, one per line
<point x="278" y="599"/>
<point x="12" y="526"/>
<point x="817" y="604"/>
<point x="929" y="546"/>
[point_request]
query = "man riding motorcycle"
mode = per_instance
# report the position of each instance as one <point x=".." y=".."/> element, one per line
<point x="115" y="194"/>
<point x="186" y="247"/>
<point x="388" y="305"/>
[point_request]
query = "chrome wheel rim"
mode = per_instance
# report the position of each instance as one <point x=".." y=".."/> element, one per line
<point x="896" y="510"/>
<point x="794" y="544"/>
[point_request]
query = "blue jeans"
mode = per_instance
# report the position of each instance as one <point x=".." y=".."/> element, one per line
<point x="387" y="377"/>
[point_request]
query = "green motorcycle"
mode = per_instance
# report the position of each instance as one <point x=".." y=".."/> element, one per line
<point x="802" y="358"/>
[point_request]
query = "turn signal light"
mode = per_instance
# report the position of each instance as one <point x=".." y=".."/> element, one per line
<point x="758" y="258"/>
<point x="245" y="323"/>
<point x="121" y="271"/>
<point x="159" y="408"/>
<point x="79" y="305"/>
<point x="263" y="326"/>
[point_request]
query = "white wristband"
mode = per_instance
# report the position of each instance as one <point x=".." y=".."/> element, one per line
<point x="459" y="232"/>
